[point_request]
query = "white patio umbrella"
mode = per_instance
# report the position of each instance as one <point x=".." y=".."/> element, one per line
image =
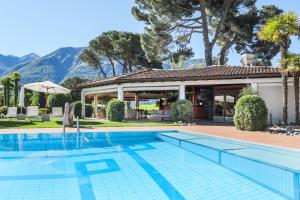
<point x="46" y="87"/>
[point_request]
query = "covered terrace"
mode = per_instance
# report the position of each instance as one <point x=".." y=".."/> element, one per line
<point x="212" y="90"/>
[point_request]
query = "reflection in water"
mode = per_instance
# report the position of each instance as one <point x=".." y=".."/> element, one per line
<point x="69" y="141"/>
<point x="20" y="139"/>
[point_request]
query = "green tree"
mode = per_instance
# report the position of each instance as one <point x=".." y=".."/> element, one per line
<point x="72" y="84"/>
<point x="1" y="99"/>
<point x="279" y="30"/>
<point x="118" y="47"/>
<point x="6" y="81"/>
<point x="4" y="91"/>
<point x="16" y="78"/>
<point x="172" y="24"/>
<point x="91" y="57"/>
<point x="293" y="67"/>
<point x="238" y="27"/>
<point x="263" y="50"/>
<point x="104" y="47"/>
<point x="128" y="49"/>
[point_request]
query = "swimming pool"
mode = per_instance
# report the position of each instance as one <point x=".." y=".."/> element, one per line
<point x="143" y="165"/>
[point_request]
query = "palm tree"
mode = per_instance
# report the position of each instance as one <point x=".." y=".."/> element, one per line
<point x="293" y="67"/>
<point x="6" y="81"/>
<point x="279" y="30"/>
<point x="16" y="78"/>
<point x="4" y="91"/>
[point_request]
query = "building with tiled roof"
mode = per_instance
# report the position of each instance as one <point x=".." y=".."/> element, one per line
<point x="213" y="90"/>
<point x="206" y="73"/>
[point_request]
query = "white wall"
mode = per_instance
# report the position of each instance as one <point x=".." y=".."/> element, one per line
<point x="272" y="94"/>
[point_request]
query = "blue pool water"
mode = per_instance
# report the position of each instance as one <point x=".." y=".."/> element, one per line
<point x="143" y="165"/>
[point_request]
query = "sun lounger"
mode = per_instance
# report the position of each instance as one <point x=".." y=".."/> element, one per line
<point x="32" y="111"/>
<point x="159" y="114"/>
<point x="11" y="112"/>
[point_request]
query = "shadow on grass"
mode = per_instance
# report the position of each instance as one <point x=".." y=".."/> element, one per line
<point x="15" y="124"/>
<point x="57" y="123"/>
<point x="88" y="124"/>
<point x="29" y="123"/>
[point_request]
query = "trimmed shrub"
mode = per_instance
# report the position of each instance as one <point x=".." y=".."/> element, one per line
<point x="58" y="100"/>
<point x="77" y="109"/>
<point x="251" y="113"/>
<point x="89" y="110"/>
<point x="115" y="110"/>
<point x="248" y="91"/>
<point x="182" y="110"/>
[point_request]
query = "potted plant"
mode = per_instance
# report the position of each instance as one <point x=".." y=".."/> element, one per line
<point x="44" y="112"/>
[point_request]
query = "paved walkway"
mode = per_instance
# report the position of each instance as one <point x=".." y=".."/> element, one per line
<point x="215" y="130"/>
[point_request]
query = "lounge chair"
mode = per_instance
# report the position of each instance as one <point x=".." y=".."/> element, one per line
<point x="57" y="112"/>
<point x="130" y="114"/>
<point x="32" y="111"/>
<point x="159" y="115"/>
<point x="11" y="112"/>
<point x="166" y="115"/>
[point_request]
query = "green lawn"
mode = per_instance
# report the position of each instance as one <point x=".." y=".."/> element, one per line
<point x="56" y="123"/>
<point x="149" y="107"/>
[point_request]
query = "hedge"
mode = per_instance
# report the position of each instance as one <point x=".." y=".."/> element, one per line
<point x="58" y="100"/>
<point x="251" y="113"/>
<point x="77" y="109"/>
<point x="115" y="110"/>
<point x="182" y="110"/>
<point x="89" y="110"/>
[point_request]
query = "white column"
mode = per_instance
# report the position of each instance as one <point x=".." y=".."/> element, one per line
<point x="254" y="87"/>
<point x="120" y="93"/>
<point x="136" y="98"/>
<point x="181" y="91"/>
<point x="83" y="105"/>
<point x="95" y="105"/>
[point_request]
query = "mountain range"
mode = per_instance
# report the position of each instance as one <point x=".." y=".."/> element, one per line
<point x="59" y="65"/>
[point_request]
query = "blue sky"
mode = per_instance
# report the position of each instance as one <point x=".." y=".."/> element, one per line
<point x="41" y="26"/>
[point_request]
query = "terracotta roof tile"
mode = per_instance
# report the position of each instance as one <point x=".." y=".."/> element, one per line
<point x="206" y="73"/>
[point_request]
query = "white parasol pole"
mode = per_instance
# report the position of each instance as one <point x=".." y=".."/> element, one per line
<point x="22" y="98"/>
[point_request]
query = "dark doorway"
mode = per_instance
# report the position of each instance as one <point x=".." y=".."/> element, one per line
<point x="202" y="99"/>
<point x="225" y="98"/>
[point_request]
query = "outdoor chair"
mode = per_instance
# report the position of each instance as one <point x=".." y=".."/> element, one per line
<point x="130" y="114"/>
<point x="32" y="111"/>
<point x="11" y="112"/>
<point x="57" y="112"/>
<point x="166" y="115"/>
<point x="155" y="114"/>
